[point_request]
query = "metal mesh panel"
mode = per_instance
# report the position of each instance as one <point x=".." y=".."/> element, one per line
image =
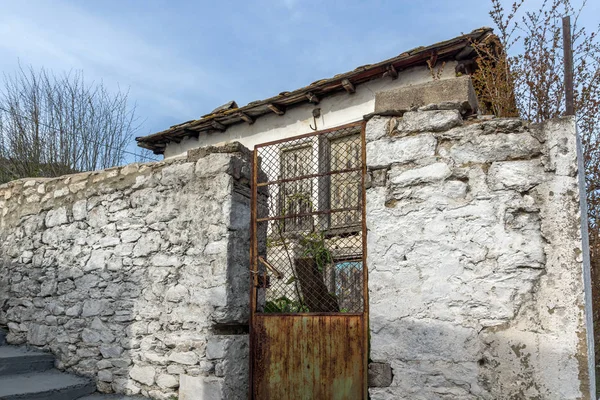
<point x="310" y="195"/>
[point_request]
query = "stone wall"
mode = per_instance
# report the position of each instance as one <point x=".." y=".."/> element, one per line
<point x="475" y="257"/>
<point x="136" y="276"/>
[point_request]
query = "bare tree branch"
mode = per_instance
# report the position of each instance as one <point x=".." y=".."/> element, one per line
<point x="53" y="125"/>
<point x="534" y="61"/>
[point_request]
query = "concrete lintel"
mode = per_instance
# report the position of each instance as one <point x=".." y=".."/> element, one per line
<point x="457" y="91"/>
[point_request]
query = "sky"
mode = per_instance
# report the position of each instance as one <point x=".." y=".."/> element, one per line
<point x="181" y="59"/>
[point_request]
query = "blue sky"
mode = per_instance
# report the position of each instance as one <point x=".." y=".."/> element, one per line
<point x="181" y="59"/>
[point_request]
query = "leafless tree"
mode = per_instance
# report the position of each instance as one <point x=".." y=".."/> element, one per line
<point x="52" y="125"/>
<point x="525" y="78"/>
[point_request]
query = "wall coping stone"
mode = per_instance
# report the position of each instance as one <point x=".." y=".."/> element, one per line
<point x="447" y="93"/>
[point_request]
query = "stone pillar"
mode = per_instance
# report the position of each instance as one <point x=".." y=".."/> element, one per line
<point x="475" y="257"/>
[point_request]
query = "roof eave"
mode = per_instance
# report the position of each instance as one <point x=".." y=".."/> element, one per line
<point x="220" y="120"/>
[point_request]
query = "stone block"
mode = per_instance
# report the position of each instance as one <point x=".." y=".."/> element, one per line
<point x="458" y="91"/>
<point x="97" y="261"/>
<point x="380" y="374"/>
<point x="143" y="375"/>
<point x="177" y="174"/>
<point x="80" y="210"/>
<point x="213" y="164"/>
<point x="111" y="351"/>
<point x="105" y="376"/>
<point x="93" y="307"/>
<point x="56" y="217"/>
<point x="40" y="335"/>
<point x="427" y="121"/>
<point x="199" y="387"/>
<point x="494" y="147"/>
<point x="167" y="381"/>
<point x="562" y="144"/>
<point x="501" y="125"/>
<point x="184" y="357"/>
<point x="376" y="128"/>
<point x="382" y="153"/>
<point x="216" y="348"/>
<point x="176" y="293"/>
<point x="428" y="174"/>
<point x="516" y="175"/>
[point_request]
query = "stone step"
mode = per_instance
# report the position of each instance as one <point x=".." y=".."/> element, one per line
<point x="47" y="385"/>
<point x="16" y="360"/>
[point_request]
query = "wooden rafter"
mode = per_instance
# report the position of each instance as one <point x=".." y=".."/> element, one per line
<point x="276" y="109"/>
<point x="246" y="117"/>
<point x="391" y="71"/>
<point x="348" y="86"/>
<point x="217" y="125"/>
<point x="312" y="97"/>
<point x="191" y="133"/>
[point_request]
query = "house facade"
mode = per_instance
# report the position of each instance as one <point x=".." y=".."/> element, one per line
<point x="342" y="99"/>
<point x="381" y="171"/>
<point x="381" y="239"/>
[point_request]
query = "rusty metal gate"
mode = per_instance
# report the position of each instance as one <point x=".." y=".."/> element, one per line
<point x="309" y="307"/>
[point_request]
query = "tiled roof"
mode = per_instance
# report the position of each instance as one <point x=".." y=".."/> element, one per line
<point x="229" y="114"/>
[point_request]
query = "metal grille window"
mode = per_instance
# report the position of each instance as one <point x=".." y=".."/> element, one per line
<point x="296" y="194"/>
<point x="345" y="188"/>
<point x="310" y="194"/>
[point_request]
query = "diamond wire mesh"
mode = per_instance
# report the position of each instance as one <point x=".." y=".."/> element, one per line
<point x="311" y="214"/>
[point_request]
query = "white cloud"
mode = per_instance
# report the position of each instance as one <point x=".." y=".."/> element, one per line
<point x="63" y="37"/>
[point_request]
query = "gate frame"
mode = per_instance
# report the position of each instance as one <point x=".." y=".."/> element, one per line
<point x="254" y="256"/>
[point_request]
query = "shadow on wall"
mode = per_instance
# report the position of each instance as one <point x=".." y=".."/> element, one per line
<point x="135" y="276"/>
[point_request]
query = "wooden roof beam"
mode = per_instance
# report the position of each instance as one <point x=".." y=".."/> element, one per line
<point x="391" y="71"/>
<point x="276" y="109"/>
<point x="348" y="86"/>
<point x="312" y="98"/>
<point x="432" y="59"/>
<point x="157" y="148"/>
<point x="191" y="133"/>
<point x="246" y="117"/>
<point x="217" y="125"/>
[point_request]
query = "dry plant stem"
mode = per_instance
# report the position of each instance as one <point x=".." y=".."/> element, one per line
<point x="529" y="67"/>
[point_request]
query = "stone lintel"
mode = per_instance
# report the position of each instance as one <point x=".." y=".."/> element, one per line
<point x="233" y="147"/>
<point x="457" y="93"/>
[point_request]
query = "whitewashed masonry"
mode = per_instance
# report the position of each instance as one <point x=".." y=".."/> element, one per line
<point x="475" y="257"/>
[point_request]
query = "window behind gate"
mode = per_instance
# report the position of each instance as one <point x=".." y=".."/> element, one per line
<point x="313" y="218"/>
<point x="296" y="194"/>
<point x="345" y="187"/>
